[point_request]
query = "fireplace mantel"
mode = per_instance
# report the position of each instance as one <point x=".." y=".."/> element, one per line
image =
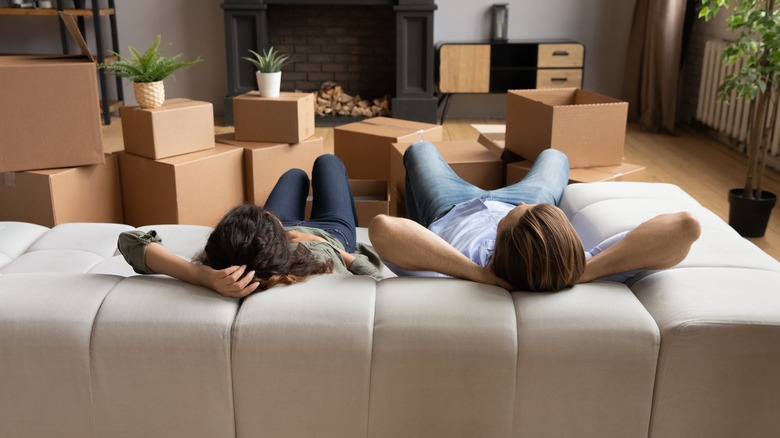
<point x="246" y="27"/>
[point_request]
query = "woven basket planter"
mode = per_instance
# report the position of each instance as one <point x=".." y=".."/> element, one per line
<point x="149" y="94"/>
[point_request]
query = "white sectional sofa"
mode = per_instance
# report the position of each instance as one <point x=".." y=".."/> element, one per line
<point x="89" y="349"/>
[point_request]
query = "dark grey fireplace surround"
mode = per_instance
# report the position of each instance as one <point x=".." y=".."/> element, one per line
<point x="246" y="27"/>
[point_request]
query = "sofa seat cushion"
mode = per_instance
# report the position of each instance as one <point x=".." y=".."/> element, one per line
<point x="719" y="363"/>
<point x="46" y="324"/>
<point x="16" y="238"/>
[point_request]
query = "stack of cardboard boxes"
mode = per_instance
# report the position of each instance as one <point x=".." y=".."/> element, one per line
<point x="52" y="165"/>
<point x="172" y="170"/>
<point x="276" y="134"/>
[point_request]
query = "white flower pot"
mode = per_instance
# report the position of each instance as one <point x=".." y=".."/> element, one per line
<point x="269" y="83"/>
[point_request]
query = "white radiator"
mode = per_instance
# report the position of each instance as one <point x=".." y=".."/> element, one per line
<point x="727" y="118"/>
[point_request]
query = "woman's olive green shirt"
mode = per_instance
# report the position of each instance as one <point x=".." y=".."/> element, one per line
<point x="132" y="245"/>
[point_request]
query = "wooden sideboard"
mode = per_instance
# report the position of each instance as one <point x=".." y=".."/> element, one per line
<point x="496" y="67"/>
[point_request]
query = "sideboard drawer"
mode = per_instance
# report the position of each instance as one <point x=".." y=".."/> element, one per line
<point x="559" y="78"/>
<point x="560" y="55"/>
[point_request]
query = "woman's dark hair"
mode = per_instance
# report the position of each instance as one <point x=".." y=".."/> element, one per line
<point x="251" y="235"/>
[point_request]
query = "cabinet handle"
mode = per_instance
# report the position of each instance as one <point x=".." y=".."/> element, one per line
<point x="558" y="79"/>
<point x="561" y="53"/>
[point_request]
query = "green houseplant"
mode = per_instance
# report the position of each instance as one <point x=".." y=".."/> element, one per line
<point x="269" y="71"/>
<point x="146" y="71"/>
<point x="758" y="47"/>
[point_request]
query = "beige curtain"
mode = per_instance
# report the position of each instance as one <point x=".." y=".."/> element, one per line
<point x="653" y="64"/>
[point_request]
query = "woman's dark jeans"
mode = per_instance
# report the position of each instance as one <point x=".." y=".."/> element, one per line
<point x="333" y="208"/>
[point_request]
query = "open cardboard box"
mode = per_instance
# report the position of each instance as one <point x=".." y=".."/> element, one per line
<point x="50" y="110"/>
<point x="590" y="128"/>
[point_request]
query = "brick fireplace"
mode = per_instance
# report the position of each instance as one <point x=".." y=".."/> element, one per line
<point x="369" y="47"/>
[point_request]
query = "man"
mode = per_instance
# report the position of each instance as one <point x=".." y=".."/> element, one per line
<point x="515" y="236"/>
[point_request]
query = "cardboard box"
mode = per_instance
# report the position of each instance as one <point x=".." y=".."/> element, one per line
<point x="493" y="138"/>
<point x="178" y="127"/>
<point x="469" y="159"/>
<point x="588" y="127"/>
<point x="49" y="111"/>
<point x="288" y="118"/>
<point x="54" y="196"/>
<point x="364" y="146"/>
<point x="624" y="172"/>
<point x="196" y="188"/>
<point x="371" y="199"/>
<point x="264" y="163"/>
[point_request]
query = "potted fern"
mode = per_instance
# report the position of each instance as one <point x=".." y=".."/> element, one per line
<point x="758" y="80"/>
<point x="269" y="71"/>
<point x="146" y="71"/>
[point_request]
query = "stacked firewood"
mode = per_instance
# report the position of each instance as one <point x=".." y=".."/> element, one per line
<point x="331" y="100"/>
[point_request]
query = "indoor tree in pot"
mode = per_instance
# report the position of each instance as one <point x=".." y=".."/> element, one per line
<point x="758" y="80"/>
<point x="147" y="72"/>
<point x="269" y="71"/>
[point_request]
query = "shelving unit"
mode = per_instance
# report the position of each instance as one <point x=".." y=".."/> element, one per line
<point x="496" y="67"/>
<point x="80" y="11"/>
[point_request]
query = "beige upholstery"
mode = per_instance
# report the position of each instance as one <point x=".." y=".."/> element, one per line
<point x="89" y="349"/>
<point x="302" y="359"/>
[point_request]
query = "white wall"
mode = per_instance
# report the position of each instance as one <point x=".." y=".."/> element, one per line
<point x="196" y="27"/>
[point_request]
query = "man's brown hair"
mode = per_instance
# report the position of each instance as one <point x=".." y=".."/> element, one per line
<point x="541" y="253"/>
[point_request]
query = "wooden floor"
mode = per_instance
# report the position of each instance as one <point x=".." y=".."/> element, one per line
<point x="698" y="164"/>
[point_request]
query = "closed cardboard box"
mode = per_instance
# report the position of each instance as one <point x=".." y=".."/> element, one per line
<point x="288" y="118"/>
<point x="196" y="188"/>
<point x="55" y="196"/>
<point x="468" y="159"/>
<point x="364" y="146"/>
<point x="590" y="128"/>
<point x="371" y="199"/>
<point x="264" y="163"/>
<point x="178" y="127"/>
<point x="624" y="172"/>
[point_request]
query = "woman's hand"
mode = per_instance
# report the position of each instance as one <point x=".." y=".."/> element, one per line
<point x="297" y="236"/>
<point x="229" y="282"/>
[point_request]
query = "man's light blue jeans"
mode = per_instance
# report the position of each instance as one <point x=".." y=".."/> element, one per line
<point x="433" y="188"/>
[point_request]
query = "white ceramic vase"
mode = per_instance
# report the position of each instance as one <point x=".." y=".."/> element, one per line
<point x="269" y="83"/>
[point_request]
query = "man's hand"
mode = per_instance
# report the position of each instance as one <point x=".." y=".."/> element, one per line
<point x="229" y="282"/>
<point x="490" y="277"/>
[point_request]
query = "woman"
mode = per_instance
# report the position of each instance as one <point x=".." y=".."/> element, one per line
<point x="254" y="248"/>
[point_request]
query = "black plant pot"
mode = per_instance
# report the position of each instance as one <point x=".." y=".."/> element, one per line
<point x="749" y="217"/>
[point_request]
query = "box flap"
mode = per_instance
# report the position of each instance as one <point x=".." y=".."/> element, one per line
<point x="389" y="128"/>
<point x="70" y="24"/>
